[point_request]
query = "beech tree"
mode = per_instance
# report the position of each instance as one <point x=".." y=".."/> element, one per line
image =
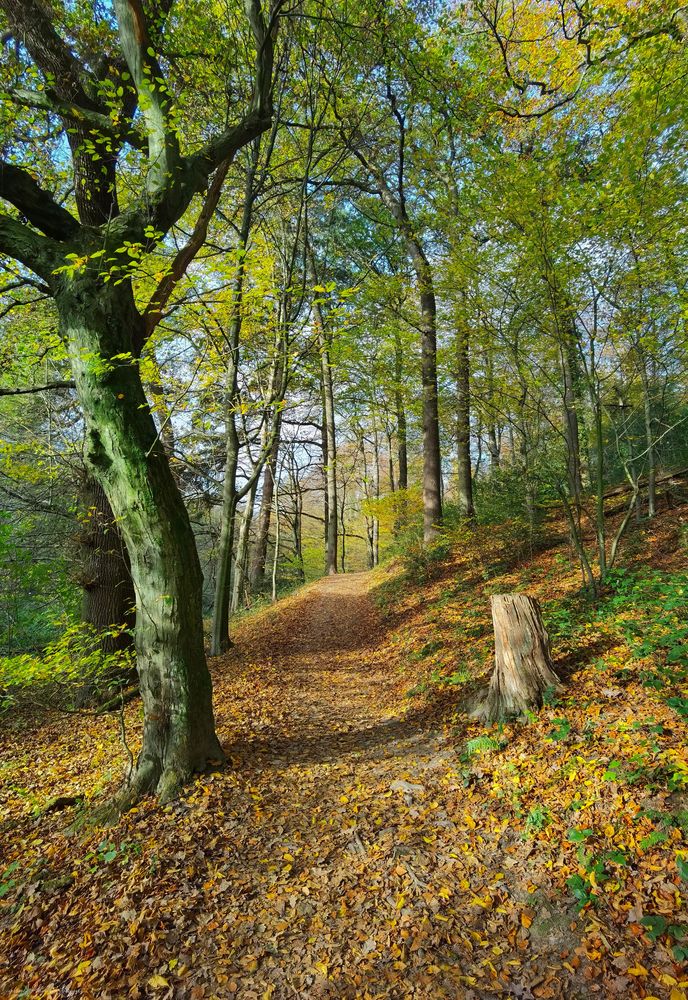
<point x="103" y="101"/>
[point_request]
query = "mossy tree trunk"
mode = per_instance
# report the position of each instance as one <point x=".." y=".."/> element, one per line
<point x="523" y="662"/>
<point x="125" y="454"/>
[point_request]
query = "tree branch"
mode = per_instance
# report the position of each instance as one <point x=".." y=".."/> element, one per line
<point x="155" y="100"/>
<point x="161" y="296"/>
<point x="27" y="390"/>
<point x="70" y="111"/>
<point x="37" y="252"/>
<point x="19" y="188"/>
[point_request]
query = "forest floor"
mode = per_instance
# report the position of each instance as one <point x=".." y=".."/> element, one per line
<point x="366" y="839"/>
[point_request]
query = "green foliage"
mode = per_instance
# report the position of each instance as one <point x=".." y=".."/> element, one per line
<point x="506" y="494"/>
<point x="35" y="588"/>
<point x="69" y="664"/>
<point x="538" y="819"/>
<point x="7" y="881"/>
<point x="479" y="745"/>
<point x="562" y="728"/>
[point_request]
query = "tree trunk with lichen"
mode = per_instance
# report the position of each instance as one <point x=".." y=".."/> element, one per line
<point x="523" y="662"/>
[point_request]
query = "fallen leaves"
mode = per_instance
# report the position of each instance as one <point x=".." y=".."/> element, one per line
<point x="352" y="849"/>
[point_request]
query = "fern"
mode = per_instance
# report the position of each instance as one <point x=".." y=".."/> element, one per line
<point x="481" y="744"/>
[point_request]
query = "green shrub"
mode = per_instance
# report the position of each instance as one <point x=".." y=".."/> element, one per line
<point x="69" y="665"/>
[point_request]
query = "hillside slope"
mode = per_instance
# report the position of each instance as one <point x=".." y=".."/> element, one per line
<point x="366" y="839"/>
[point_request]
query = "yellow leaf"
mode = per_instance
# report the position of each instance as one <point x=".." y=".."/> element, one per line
<point x="400" y="902"/>
<point x="637" y="970"/>
<point x="677" y="995"/>
<point x="157" y="982"/>
<point x="321" y="968"/>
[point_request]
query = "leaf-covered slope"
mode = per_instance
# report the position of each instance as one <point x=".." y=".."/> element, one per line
<point x="365" y="839"/>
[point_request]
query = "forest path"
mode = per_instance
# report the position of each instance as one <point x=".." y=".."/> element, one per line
<point x="345" y="851"/>
<point x="330" y="694"/>
<point x="356" y="861"/>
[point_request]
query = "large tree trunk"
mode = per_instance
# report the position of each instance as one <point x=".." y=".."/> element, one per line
<point x="523" y="663"/>
<point x="463" y="423"/>
<point x="124" y="453"/>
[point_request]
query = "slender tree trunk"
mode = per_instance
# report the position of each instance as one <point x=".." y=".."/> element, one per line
<point x="390" y="460"/>
<point x="432" y="463"/>
<point x="342" y="494"/>
<point x="492" y="438"/>
<point x="376" y="491"/>
<point x="220" y="640"/>
<point x="123" y="452"/>
<point x="275" y="557"/>
<point x="329" y="428"/>
<point x="402" y="454"/>
<point x="298" y="528"/>
<point x="242" y="548"/>
<point x="463" y="423"/>
<point x="260" y="549"/>
<point x="649" y="437"/>
<point x="571" y="428"/>
<point x="600" y="525"/>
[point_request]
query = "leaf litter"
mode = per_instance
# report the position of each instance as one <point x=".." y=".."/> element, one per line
<point x="366" y="839"/>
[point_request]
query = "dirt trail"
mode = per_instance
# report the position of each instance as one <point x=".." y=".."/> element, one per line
<point x="336" y="695"/>
<point x="340" y="854"/>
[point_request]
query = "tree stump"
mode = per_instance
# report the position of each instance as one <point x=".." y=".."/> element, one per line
<point x="523" y="662"/>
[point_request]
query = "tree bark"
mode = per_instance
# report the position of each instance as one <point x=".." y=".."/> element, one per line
<point x="329" y="429"/>
<point x="649" y="435"/>
<point x="241" y="560"/>
<point x="463" y="423"/>
<point x="523" y="663"/>
<point x="125" y="455"/>
<point x="402" y="451"/>
<point x="571" y="429"/>
<point x="432" y="463"/>
<point x="376" y="494"/>
<point x="220" y="640"/>
<point x="104" y="572"/>
<point x="260" y="550"/>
